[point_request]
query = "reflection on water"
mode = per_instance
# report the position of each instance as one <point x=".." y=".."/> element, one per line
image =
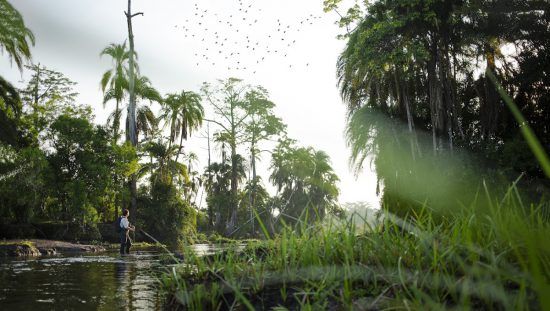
<point x="95" y="282"/>
<point x="209" y="249"/>
<point x="86" y="282"/>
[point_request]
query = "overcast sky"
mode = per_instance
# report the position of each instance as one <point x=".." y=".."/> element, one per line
<point x="287" y="46"/>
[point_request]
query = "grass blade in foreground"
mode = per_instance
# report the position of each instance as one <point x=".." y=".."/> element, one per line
<point x="475" y="261"/>
<point x="526" y="130"/>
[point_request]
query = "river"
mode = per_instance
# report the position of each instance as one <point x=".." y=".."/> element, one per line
<point x="103" y="281"/>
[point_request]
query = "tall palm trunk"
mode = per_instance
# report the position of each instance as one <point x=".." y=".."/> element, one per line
<point x="489" y="110"/>
<point x="252" y="197"/>
<point x="437" y="97"/>
<point x="132" y="132"/>
<point x="434" y="99"/>
<point x="208" y="140"/>
<point x="447" y="90"/>
<point x="442" y="97"/>
<point x="116" y="125"/>
<point x="116" y="122"/>
<point x="132" y="104"/>
<point x="403" y="100"/>
<point x="232" y="223"/>
<point x="180" y="147"/>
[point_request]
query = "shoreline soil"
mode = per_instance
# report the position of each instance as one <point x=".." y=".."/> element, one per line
<point x="38" y="247"/>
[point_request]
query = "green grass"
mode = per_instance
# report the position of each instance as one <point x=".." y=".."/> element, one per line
<point x="22" y="243"/>
<point x="135" y="245"/>
<point x="526" y="131"/>
<point x="494" y="259"/>
<point x="494" y="256"/>
<point x="215" y="239"/>
<point x="17" y="248"/>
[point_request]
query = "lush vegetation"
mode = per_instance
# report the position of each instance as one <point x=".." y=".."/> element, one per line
<point x="56" y="165"/>
<point x="482" y="258"/>
<point x="427" y="65"/>
<point x="449" y="100"/>
<point x="426" y="84"/>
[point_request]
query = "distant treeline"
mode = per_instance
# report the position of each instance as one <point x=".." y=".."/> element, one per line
<point x="57" y="166"/>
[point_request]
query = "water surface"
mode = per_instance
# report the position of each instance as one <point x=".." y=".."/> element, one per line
<point x="105" y="281"/>
<point x="81" y="282"/>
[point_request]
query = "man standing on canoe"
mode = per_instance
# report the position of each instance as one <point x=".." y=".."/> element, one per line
<point x="125" y="228"/>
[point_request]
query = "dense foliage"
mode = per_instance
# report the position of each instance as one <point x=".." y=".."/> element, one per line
<point x="57" y="165"/>
<point x="424" y="83"/>
<point x="426" y="63"/>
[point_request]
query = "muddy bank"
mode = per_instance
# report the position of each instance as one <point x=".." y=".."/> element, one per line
<point x="36" y="247"/>
<point x="64" y="231"/>
<point x="15" y="249"/>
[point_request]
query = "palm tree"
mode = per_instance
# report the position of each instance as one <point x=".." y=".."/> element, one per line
<point x="323" y="189"/>
<point x="146" y="121"/>
<point x="306" y="180"/>
<point x="114" y="80"/>
<point x="217" y="182"/>
<point x="184" y="113"/>
<point x="14" y="35"/>
<point x="14" y="39"/>
<point x="131" y="133"/>
<point x="10" y="109"/>
<point x="117" y="81"/>
<point x="143" y="121"/>
<point x="195" y="181"/>
<point x="162" y="167"/>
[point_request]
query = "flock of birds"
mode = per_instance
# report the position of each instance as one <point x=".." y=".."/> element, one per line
<point x="241" y="37"/>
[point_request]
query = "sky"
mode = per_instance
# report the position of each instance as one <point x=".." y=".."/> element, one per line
<point x="287" y="46"/>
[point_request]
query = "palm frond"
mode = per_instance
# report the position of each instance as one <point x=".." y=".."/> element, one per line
<point x="14" y="35"/>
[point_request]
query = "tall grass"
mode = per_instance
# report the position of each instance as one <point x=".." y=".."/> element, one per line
<point x="526" y="131"/>
<point x="497" y="259"/>
<point x="493" y="255"/>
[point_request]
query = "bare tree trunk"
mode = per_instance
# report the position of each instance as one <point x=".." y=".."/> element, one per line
<point x="435" y="99"/>
<point x="448" y="104"/>
<point x="438" y="108"/>
<point x="132" y="132"/>
<point x="403" y="99"/>
<point x="456" y="106"/>
<point x="36" y="97"/>
<point x="180" y="147"/>
<point x="131" y="76"/>
<point x="208" y="133"/>
<point x="489" y="103"/>
<point x="232" y="223"/>
<point x="253" y="190"/>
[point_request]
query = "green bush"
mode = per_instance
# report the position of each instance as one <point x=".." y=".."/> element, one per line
<point x="165" y="216"/>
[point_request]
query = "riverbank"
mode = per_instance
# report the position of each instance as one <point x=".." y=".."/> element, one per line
<point x="40" y="247"/>
<point x="63" y="231"/>
<point x="37" y="247"/>
<point x="490" y="258"/>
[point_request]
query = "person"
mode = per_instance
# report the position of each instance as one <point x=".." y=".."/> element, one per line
<point x="125" y="242"/>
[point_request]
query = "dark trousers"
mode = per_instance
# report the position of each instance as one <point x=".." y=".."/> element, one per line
<point x="125" y="243"/>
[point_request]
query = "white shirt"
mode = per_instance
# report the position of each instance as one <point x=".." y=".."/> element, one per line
<point x="124" y="223"/>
